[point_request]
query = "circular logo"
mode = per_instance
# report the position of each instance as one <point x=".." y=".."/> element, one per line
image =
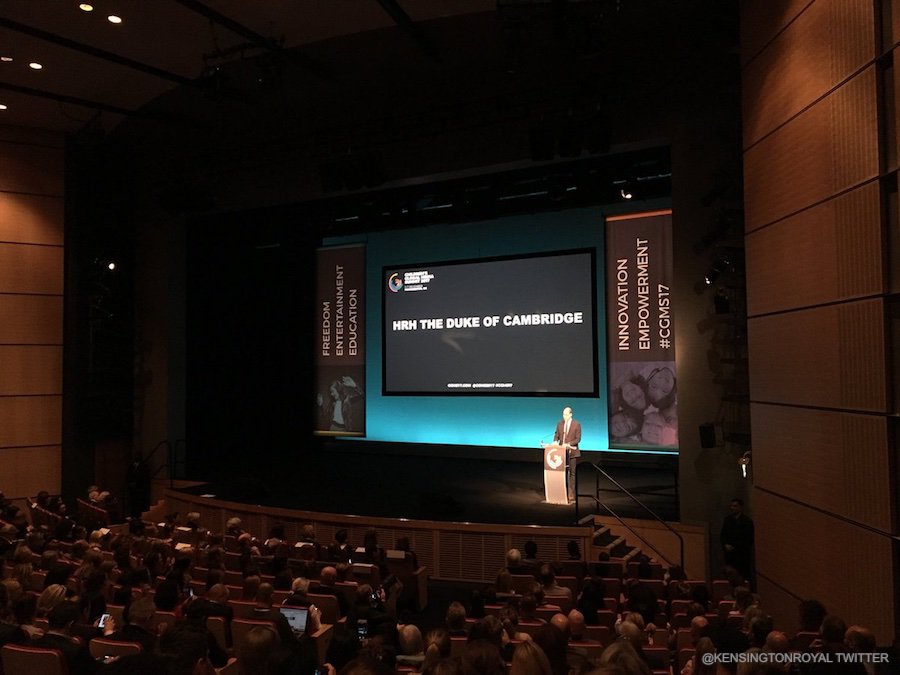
<point x="554" y="460"/>
<point x="395" y="283"/>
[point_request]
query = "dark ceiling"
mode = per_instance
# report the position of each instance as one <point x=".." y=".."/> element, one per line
<point x="233" y="54"/>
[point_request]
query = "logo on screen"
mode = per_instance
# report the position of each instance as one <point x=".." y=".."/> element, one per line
<point x="395" y="283"/>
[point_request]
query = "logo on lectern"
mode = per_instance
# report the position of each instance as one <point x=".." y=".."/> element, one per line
<point x="554" y="460"/>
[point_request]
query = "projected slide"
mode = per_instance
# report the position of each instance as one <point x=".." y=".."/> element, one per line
<point x="510" y="326"/>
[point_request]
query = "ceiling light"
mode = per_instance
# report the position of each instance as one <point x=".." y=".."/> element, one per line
<point x="112" y="18"/>
<point x="34" y="65"/>
<point x="2" y="106"/>
<point x="6" y="59"/>
<point x="85" y="7"/>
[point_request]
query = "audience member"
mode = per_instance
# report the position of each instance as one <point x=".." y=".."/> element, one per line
<point x="412" y="646"/>
<point x="529" y="659"/>
<point x="58" y="636"/>
<point x="340" y="550"/>
<point x="299" y="589"/>
<point x="530" y="559"/>
<point x="482" y="657"/>
<point x="547" y="579"/>
<point x="139" y="625"/>
<point x="455" y="620"/>
<point x="255" y="652"/>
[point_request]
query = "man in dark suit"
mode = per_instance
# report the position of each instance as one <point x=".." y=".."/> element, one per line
<point x="568" y="434"/>
<point x="58" y="637"/>
<point x="214" y="604"/>
<point x="139" y="627"/>
<point x="327" y="581"/>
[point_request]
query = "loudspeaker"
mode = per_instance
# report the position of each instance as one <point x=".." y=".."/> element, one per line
<point x="707" y="435"/>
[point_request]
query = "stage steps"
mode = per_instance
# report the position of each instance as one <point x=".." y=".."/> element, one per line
<point x="606" y="540"/>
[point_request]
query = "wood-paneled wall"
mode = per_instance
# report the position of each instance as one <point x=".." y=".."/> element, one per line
<point x="451" y="551"/>
<point x="817" y="281"/>
<point x="31" y="310"/>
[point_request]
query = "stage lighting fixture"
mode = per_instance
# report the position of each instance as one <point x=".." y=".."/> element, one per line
<point x="34" y="65"/>
<point x="85" y="7"/>
<point x="625" y="193"/>
<point x="744" y="463"/>
<point x="112" y="18"/>
<point x="111" y="266"/>
<point x="3" y="106"/>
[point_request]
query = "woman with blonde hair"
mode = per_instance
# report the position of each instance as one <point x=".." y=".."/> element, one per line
<point x="50" y="598"/>
<point x="437" y="647"/>
<point x="529" y="659"/>
<point x="22" y="567"/>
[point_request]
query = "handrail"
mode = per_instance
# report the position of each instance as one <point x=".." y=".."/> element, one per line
<point x="163" y="442"/>
<point x="643" y="506"/>
<point x="168" y="464"/>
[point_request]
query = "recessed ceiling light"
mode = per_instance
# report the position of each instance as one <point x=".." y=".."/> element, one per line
<point x="85" y="7"/>
<point x="112" y="18"/>
<point x="2" y="106"/>
<point x="34" y="65"/>
<point x="6" y="59"/>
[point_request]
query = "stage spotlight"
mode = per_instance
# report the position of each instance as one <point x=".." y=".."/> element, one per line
<point x="111" y="266"/>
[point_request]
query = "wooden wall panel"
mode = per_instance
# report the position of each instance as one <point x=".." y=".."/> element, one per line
<point x="825" y="253"/>
<point x="30" y="470"/>
<point x="828" y="148"/>
<point x="780" y="604"/>
<point x="831" y="357"/>
<point x="31" y="219"/>
<point x="25" y="268"/>
<point x="863" y="358"/>
<point x="848" y="568"/>
<point x="834" y="461"/>
<point x="824" y="45"/>
<point x="30" y="369"/>
<point x="31" y="309"/>
<point x="31" y="319"/>
<point x="758" y="28"/>
<point x="30" y="420"/>
<point x="33" y="169"/>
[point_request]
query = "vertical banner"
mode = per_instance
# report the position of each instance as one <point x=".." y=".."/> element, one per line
<point x="643" y="408"/>
<point x="340" y="341"/>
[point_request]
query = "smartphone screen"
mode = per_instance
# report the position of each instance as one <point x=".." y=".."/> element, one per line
<point x="103" y="619"/>
<point x="362" y="628"/>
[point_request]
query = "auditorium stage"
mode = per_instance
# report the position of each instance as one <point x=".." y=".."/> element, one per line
<point x="339" y="480"/>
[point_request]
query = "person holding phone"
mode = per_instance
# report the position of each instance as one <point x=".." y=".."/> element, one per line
<point x="369" y="607"/>
<point x="138" y="627"/>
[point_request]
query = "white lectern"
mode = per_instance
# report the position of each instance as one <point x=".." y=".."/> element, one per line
<point x="555" y="474"/>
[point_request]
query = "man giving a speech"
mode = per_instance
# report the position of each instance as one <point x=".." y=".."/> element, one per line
<point x="568" y="434"/>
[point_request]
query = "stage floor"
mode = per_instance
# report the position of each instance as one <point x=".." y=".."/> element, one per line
<point x="446" y="489"/>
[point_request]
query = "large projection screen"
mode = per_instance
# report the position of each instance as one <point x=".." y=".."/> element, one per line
<point x="511" y="326"/>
